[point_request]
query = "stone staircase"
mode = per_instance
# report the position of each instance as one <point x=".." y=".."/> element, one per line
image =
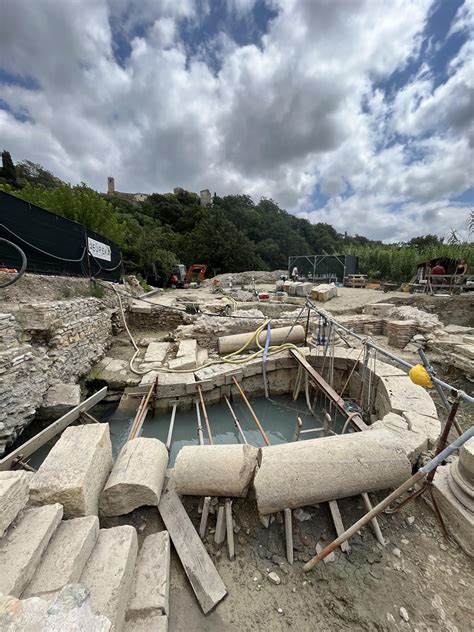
<point x="41" y="553"/>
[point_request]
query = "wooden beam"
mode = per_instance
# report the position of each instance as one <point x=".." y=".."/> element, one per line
<point x="30" y="446"/>
<point x="328" y="390"/>
<point x="202" y="574"/>
<point x="337" y="519"/>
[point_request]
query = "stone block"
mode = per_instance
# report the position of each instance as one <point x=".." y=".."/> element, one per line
<point x="59" y="399"/>
<point x="75" y="470"/>
<point x="137" y="477"/>
<point x="65" y="558"/>
<point x="23" y="545"/>
<point x="108" y="574"/>
<point x="404" y="396"/>
<point x="467" y="350"/>
<point x="182" y="363"/>
<point x="428" y="426"/>
<point x="173" y="384"/>
<point x="151" y="582"/>
<point x="413" y="442"/>
<point x="458" y="518"/>
<point x="378" y="309"/>
<point x="466" y="461"/>
<point x="14" y="489"/>
<point x="187" y="347"/>
<point x="156" y="352"/>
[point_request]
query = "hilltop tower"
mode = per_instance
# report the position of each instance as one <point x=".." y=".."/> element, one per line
<point x="110" y="186"/>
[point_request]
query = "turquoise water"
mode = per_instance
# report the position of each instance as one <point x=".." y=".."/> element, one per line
<point x="277" y="415"/>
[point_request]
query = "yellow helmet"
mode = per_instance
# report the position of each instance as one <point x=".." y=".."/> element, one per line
<point x="419" y="375"/>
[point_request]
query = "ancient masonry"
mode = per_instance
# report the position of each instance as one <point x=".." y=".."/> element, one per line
<point x="45" y="345"/>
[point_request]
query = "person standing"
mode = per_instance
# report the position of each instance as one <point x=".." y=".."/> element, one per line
<point x="294" y="274"/>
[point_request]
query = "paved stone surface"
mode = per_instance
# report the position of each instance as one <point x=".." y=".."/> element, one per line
<point x="187" y="347"/>
<point x="109" y="571"/>
<point x="399" y="394"/>
<point x="75" y="470"/>
<point x="14" y="489"/>
<point x="150" y="589"/>
<point x="137" y="477"/>
<point x="65" y="557"/>
<point x="23" y="544"/>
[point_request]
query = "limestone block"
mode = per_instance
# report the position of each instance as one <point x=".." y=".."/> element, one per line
<point x="458" y="518"/>
<point x="70" y="612"/>
<point x="115" y="373"/>
<point x="309" y="472"/>
<point x="137" y="477"/>
<point x="151" y="582"/>
<point x="428" y="426"/>
<point x="170" y="384"/>
<point x="211" y="376"/>
<point x="378" y="309"/>
<point x="65" y="557"/>
<point x="108" y="574"/>
<point x="215" y="470"/>
<point x="156" y="352"/>
<point x="187" y="347"/>
<point x="466" y="461"/>
<point x="14" y="489"/>
<point x="403" y="395"/>
<point x="75" y="470"/>
<point x="23" y="544"/>
<point x="59" y="399"/>
<point x="183" y="362"/>
<point x="153" y="622"/>
<point x="413" y="442"/>
<point x="467" y="350"/>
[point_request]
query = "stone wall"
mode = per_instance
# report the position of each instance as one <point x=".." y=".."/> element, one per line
<point x="42" y="344"/>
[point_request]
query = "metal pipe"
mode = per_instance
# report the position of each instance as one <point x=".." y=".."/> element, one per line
<point x="252" y="412"/>
<point x="461" y="394"/>
<point x="199" y="428"/>
<point x="170" y="431"/>
<point x="206" y="418"/>
<point x="236" y="421"/>
<point x="422" y="472"/>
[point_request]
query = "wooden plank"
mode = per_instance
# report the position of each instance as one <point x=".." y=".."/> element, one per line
<point x="337" y="519"/>
<point x="230" y="529"/>
<point x="321" y="383"/>
<point x="289" y="535"/>
<point x="202" y="574"/>
<point x="33" y="444"/>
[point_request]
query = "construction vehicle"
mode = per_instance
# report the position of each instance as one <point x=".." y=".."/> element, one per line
<point x="180" y="277"/>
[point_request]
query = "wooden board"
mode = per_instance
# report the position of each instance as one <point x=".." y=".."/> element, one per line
<point x="30" y="446"/>
<point x="356" y="419"/>
<point x="202" y="574"/>
<point x="337" y="519"/>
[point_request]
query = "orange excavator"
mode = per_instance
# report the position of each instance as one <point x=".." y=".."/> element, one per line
<point x="180" y="277"/>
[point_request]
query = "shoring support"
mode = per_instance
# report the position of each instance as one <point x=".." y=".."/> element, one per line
<point x="207" y="499"/>
<point x="236" y="420"/>
<point x="252" y="412"/>
<point x="206" y="418"/>
<point x="289" y="535"/>
<point x="230" y="529"/>
<point x="170" y="430"/>
<point x="416" y="478"/>
<point x="454" y="391"/>
<point x="321" y="383"/>
<point x="142" y="411"/>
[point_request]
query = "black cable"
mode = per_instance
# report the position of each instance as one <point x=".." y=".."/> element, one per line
<point x="23" y="264"/>
<point x="44" y="252"/>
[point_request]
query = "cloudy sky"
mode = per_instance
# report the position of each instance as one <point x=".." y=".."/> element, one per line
<point x="353" y="112"/>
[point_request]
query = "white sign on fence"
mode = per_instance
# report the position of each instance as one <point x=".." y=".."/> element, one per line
<point x="99" y="250"/>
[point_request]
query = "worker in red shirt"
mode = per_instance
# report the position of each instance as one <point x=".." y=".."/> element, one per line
<point x="438" y="269"/>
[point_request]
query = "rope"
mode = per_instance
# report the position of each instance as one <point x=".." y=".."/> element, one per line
<point x="19" y="274"/>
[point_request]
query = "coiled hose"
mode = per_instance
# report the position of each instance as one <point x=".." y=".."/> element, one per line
<point x="22" y="270"/>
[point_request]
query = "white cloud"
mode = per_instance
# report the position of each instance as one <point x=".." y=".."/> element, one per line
<point x="299" y="108"/>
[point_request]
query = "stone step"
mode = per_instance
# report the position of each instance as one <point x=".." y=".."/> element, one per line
<point x="23" y="544"/>
<point x="108" y="573"/>
<point x="150" y="588"/>
<point x="14" y="489"/>
<point x="75" y="470"/>
<point x="65" y="558"/>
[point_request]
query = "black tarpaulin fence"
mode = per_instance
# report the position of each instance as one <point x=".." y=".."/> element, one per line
<point x="54" y="244"/>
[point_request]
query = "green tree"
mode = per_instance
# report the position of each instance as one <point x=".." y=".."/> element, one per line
<point x="8" y="171"/>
